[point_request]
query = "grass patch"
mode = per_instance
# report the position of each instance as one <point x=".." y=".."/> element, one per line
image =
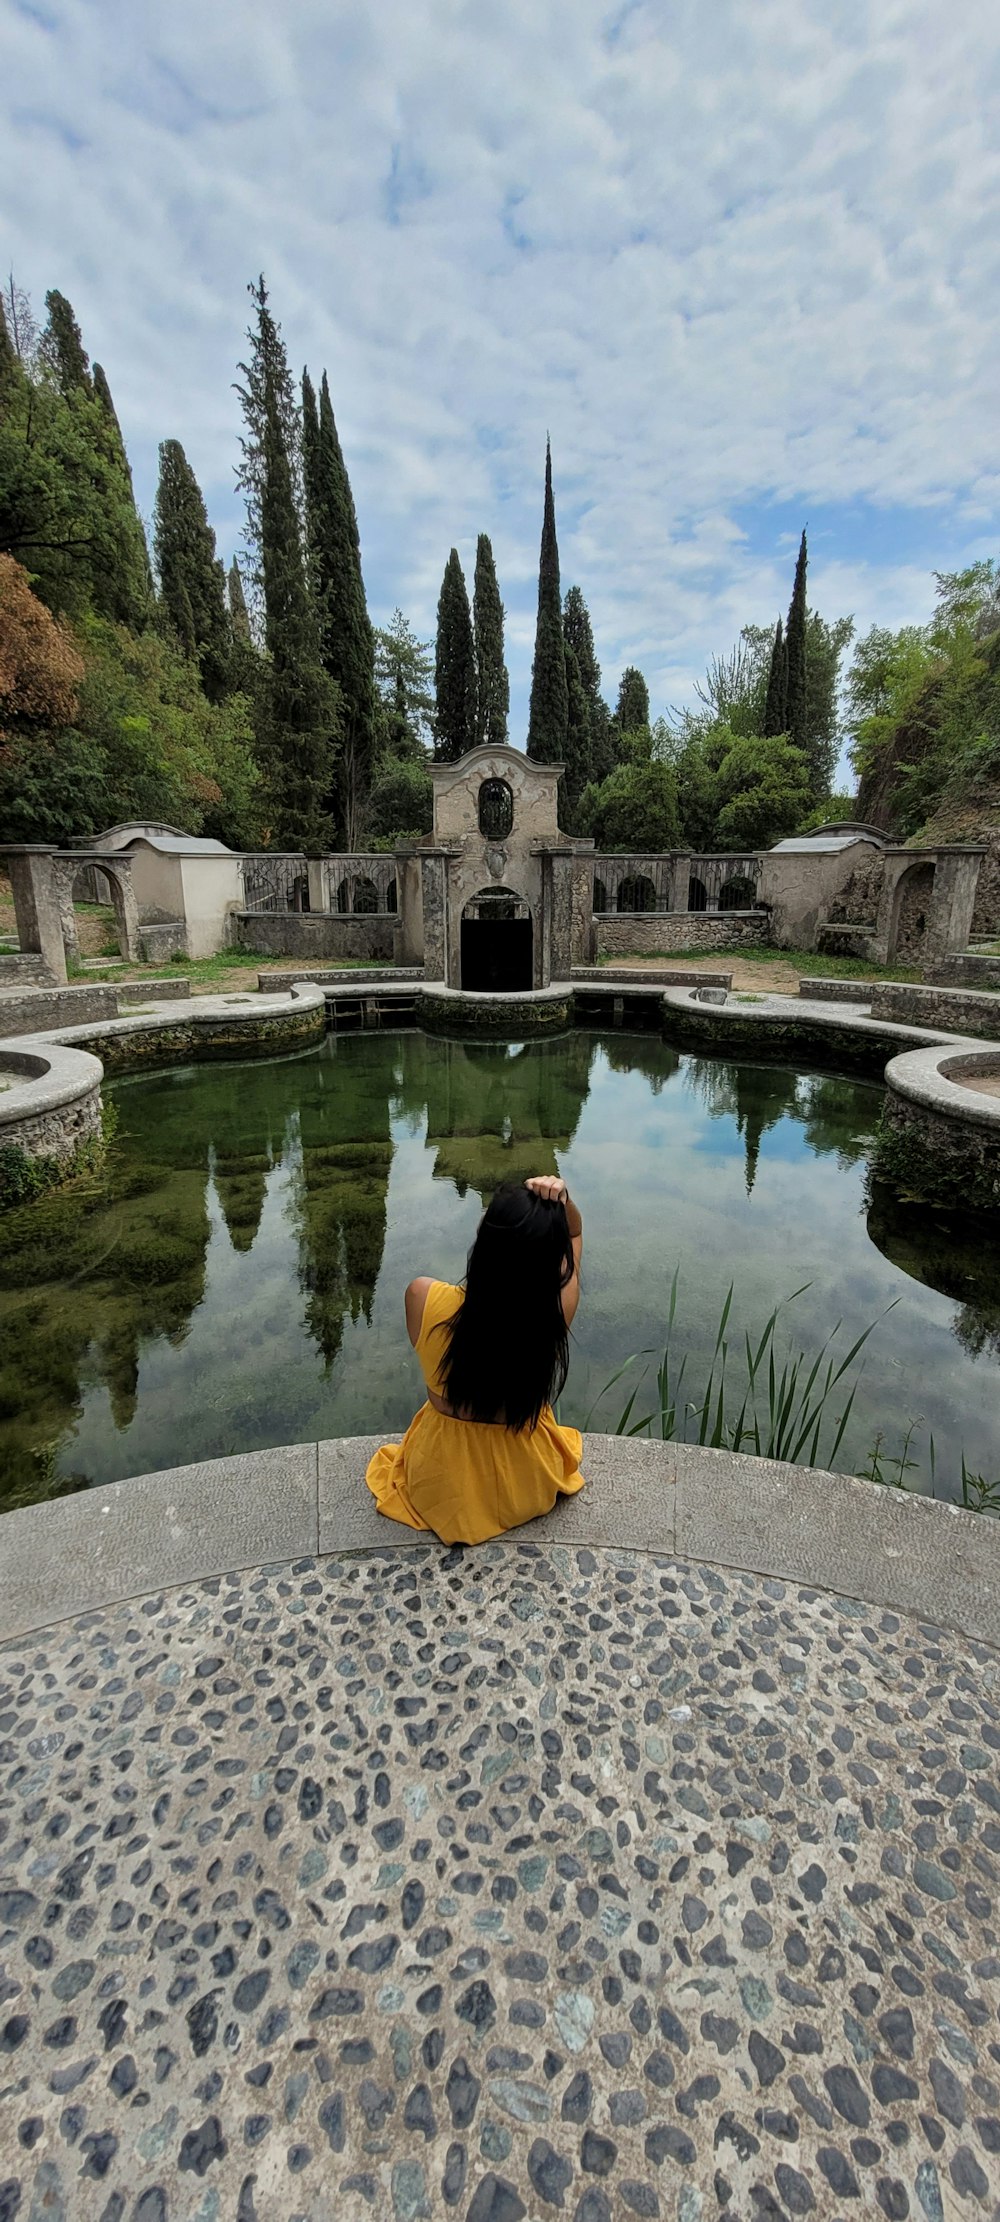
<point x="208" y="971"/>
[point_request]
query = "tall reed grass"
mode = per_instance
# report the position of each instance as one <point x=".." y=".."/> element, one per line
<point x="763" y="1395"/>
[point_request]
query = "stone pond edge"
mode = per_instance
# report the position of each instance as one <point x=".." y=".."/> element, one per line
<point x="104" y="1546"/>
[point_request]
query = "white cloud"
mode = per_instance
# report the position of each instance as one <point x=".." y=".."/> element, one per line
<point x="729" y="257"/>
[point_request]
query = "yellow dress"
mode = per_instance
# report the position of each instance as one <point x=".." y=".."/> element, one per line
<point x="468" y="1480"/>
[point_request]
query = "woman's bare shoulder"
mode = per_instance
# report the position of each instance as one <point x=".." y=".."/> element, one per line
<point x="415" y="1300"/>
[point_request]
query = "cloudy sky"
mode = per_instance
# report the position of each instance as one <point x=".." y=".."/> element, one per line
<point x="741" y="258"/>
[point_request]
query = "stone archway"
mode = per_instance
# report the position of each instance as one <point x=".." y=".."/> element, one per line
<point x="497" y="943"/>
<point x="911" y="912"/>
<point x="116" y="870"/>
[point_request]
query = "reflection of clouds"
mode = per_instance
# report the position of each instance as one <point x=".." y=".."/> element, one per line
<point x="653" y="1199"/>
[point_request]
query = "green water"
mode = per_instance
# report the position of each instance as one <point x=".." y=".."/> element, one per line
<point x="236" y="1277"/>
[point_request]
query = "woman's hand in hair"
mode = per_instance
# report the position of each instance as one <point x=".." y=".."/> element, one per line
<point x="549" y="1187"/>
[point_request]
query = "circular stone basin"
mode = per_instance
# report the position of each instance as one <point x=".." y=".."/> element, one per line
<point x="19" y="1064"/>
<point x="980" y="1072"/>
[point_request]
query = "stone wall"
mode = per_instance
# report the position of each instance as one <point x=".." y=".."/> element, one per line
<point x="395" y="975"/>
<point x="835" y="991"/>
<point x="316" y="936"/>
<point x="176" y="988"/>
<point x="950" y="1163"/>
<point x="59" y="1132"/>
<point x="966" y="971"/>
<point x="199" y="1040"/>
<point x="36" y="1012"/>
<point x="651" y="976"/>
<point x="986" y="915"/>
<point x="956" y="1010"/>
<point x="646" y="934"/>
<point x="512" y="1016"/>
<point x="858" y="901"/>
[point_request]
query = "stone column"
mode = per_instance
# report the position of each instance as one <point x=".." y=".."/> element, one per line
<point x="317" y="877"/>
<point x="36" y="906"/>
<point x="680" y="873"/>
<point x="433" y="870"/>
<point x="561" y="898"/>
<point x="956" y="877"/>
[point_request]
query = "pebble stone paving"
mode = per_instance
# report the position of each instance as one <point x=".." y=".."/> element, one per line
<point x="512" y="1883"/>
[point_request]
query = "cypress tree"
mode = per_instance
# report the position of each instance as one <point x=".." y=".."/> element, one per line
<point x="63" y="351"/>
<point x="632" y="712"/>
<point x="579" y="635"/>
<point x="796" y="706"/>
<point x="577" y="771"/>
<point x="776" y="700"/>
<point x="347" y="644"/>
<point x="119" y="455"/>
<point x="492" y="683"/>
<point x="454" y="668"/>
<point x="192" y="581"/>
<point x="239" y="615"/>
<point x="298" y="709"/>
<point x="548" y="716"/>
<point x="9" y="365"/>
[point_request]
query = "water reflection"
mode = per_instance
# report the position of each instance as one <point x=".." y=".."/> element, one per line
<point x="234" y="1276"/>
<point x="946" y="1252"/>
<point x="759" y="1097"/>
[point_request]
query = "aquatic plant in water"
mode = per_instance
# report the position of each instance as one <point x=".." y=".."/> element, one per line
<point x="776" y="1404"/>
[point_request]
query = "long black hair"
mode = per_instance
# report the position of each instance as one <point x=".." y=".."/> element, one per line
<point x="508" y="1346"/>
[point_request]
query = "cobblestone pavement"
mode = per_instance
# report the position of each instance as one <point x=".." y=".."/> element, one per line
<point x="517" y="1882"/>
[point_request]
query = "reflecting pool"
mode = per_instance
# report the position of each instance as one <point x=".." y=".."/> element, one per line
<point x="235" y="1278"/>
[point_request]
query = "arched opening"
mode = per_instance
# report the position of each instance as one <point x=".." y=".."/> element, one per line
<point x="738" y="893"/>
<point x="392" y="896"/>
<point x="497" y="943"/>
<point x="496" y="809"/>
<point x="93" y="916"/>
<point x="697" y="894"/>
<point x="636" y="893"/>
<point x="365" y="896"/>
<point x="298" y="892"/>
<point x="911" y="911"/>
<point x="600" y="898"/>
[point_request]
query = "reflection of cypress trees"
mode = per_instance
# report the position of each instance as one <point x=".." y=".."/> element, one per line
<point x="85" y="1280"/>
<point x="341" y="1185"/>
<point x="644" y="1053"/>
<point x="839" y="1118"/>
<point x="755" y="1096"/>
<point x="496" y="1112"/>
<point x="241" y="1186"/>
<point x="946" y="1252"/>
<point x="836" y="1115"/>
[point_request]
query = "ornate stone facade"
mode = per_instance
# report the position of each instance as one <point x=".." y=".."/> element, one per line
<point x="499" y="890"/>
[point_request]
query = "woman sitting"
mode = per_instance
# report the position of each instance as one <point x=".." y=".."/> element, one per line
<point x="485" y="1453"/>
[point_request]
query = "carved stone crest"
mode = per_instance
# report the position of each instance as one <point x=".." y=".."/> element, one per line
<point x="497" y="862"/>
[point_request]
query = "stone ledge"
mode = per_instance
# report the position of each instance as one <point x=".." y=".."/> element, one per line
<point x="42" y="1082"/>
<point x="933" y="1079"/>
<point x="826" y="1531"/>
